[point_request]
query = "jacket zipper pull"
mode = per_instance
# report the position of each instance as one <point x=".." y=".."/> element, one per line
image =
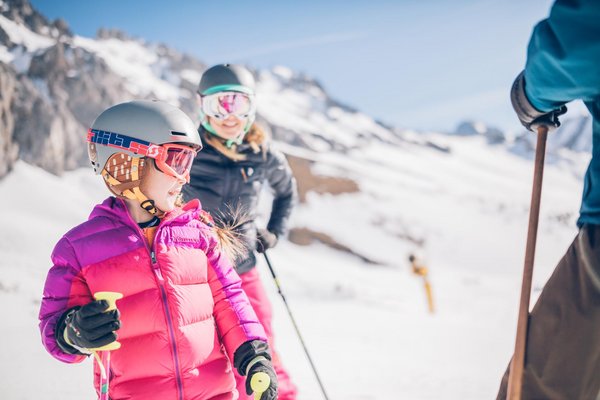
<point x="155" y="266"/>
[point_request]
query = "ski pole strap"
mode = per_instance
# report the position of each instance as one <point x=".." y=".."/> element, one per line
<point x="103" y="375"/>
<point x="254" y="361"/>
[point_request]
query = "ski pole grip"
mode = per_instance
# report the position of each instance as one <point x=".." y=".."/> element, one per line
<point x="111" y="298"/>
<point x="259" y="383"/>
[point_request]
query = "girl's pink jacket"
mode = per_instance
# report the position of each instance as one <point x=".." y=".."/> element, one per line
<point x="183" y="312"/>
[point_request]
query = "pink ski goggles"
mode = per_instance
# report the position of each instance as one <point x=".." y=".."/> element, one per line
<point x="223" y="104"/>
<point x="173" y="159"/>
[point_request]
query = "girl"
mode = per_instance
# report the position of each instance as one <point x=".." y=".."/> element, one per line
<point x="230" y="174"/>
<point x="183" y="317"/>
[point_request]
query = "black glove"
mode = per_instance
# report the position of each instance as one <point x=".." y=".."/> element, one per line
<point x="87" y="327"/>
<point x="530" y="116"/>
<point x="261" y="364"/>
<point x="266" y="240"/>
<point x="252" y="357"/>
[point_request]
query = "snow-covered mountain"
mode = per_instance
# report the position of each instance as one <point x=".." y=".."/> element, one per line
<point x="55" y="83"/>
<point x="573" y="137"/>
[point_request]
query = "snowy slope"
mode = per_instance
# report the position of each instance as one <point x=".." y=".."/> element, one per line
<point x="468" y="206"/>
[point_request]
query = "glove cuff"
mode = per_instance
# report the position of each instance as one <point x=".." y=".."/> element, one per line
<point x="521" y="104"/>
<point x="62" y="337"/>
<point x="256" y="360"/>
<point x="247" y="353"/>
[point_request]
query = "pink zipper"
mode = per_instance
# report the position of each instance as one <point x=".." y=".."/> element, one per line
<point x="161" y="280"/>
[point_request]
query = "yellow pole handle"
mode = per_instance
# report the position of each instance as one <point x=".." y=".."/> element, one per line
<point x="259" y="383"/>
<point x="111" y="298"/>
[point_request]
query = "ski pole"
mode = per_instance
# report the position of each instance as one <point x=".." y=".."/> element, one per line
<point x="515" y="378"/>
<point x="104" y="359"/>
<point x="259" y="383"/>
<point x="429" y="295"/>
<point x="289" y="311"/>
<point x="419" y="269"/>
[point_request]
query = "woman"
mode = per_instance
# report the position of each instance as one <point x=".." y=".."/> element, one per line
<point x="183" y="315"/>
<point x="228" y="176"/>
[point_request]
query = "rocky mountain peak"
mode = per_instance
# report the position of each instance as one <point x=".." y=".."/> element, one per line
<point x="22" y="12"/>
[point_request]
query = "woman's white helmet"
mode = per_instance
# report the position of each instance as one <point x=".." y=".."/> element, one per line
<point x="224" y="78"/>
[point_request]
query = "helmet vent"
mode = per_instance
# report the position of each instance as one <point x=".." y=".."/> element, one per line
<point x="175" y="133"/>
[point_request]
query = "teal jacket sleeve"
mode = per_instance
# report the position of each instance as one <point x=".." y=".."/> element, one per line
<point x="563" y="57"/>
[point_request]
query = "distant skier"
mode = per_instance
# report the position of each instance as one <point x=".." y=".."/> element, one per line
<point x="563" y="345"/>
<point x="229" y="175"/>
<point x="183" y="320"/>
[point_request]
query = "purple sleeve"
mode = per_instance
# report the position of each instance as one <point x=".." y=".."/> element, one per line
<point x="58" y="297"/>
<point x="235" y="318"/>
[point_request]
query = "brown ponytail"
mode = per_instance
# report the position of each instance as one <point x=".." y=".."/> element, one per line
<point x="230" y="241"/>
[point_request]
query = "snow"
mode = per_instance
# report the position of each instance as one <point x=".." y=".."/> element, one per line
<point x="21" y="35"/>
<point x="5" y="55"/>
<point x="366" y="325"/>
<point x="191" y="76"/>
<point x="21" y="59"/>
<point x="283" y="71"/>
<point x="145" y="72"/>
<point x="27" y="44"/>
<point x="306" y="110"/>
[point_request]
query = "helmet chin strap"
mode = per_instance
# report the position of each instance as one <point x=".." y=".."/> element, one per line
<point x="228" y="142"/>
<point x="131" y="190"/>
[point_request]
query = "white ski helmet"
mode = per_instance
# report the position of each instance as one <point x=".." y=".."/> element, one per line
<point x="227" y="78"/>
<point x="123" y="135"/>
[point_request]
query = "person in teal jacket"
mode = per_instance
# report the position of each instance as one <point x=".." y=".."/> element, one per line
<point x="562" y="359"/>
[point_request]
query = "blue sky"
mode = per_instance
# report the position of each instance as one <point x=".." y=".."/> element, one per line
<point x="416" y="64"/>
